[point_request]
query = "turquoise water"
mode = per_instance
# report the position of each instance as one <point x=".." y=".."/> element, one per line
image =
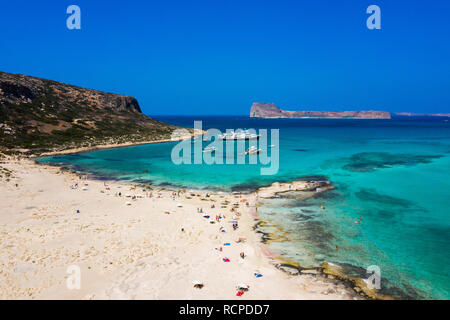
<point x="394" y="174"/>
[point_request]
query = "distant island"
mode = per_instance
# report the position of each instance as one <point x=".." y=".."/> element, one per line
<point x="270" y="110"/>
<point x="39" y="115"/>
<point x="409" y="114"/>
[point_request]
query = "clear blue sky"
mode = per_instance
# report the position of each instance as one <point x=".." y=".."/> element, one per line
<point x="219" y="56"/>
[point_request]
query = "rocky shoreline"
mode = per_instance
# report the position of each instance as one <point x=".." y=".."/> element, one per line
<point x="328" y="270"/>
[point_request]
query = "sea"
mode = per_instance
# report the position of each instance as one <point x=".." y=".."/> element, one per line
<point x="390" y="206"/>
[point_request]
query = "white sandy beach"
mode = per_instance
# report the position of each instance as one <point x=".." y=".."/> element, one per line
<point x="136" y="251"/>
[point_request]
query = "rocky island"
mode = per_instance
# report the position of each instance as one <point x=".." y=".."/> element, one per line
<point x="39" y="115"/>
<point x="270" y="110"/>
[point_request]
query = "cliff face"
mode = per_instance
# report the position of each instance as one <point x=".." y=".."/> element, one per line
<point x="42" y="115"/>
<point x="19" y="89"/>
<point x="265" y="110"/>
<point x="270" y="110"/>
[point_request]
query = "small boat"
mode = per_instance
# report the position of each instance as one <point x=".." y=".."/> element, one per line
<point x="253" y="150"/>
<point x="209" y="149"/>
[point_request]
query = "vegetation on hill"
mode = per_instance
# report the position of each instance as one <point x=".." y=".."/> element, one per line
<point x="38" y="115"/>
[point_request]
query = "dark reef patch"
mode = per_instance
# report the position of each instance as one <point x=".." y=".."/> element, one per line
<point x="303" y="217"/>
<point x="328" y="195"/>
<point x="371" y="161"/>
<point x="372" y="195"/>
<point x="310" y="178"/>
<point x="300" y="203"/>
<point x="249" y="186"/>
<point x="113" y="160"/>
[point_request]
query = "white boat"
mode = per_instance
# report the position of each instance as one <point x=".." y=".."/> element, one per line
<point x="209" y="149"/>
<point x="228" y="135"/>
<point x="253" y="150"/>
<point x="231" y="135"/>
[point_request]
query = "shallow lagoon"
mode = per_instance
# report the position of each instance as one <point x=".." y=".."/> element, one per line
<point x="394" y="174"/>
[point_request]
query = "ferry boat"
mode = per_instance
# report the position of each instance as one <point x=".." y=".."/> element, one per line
<point x="231" y="135"/>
